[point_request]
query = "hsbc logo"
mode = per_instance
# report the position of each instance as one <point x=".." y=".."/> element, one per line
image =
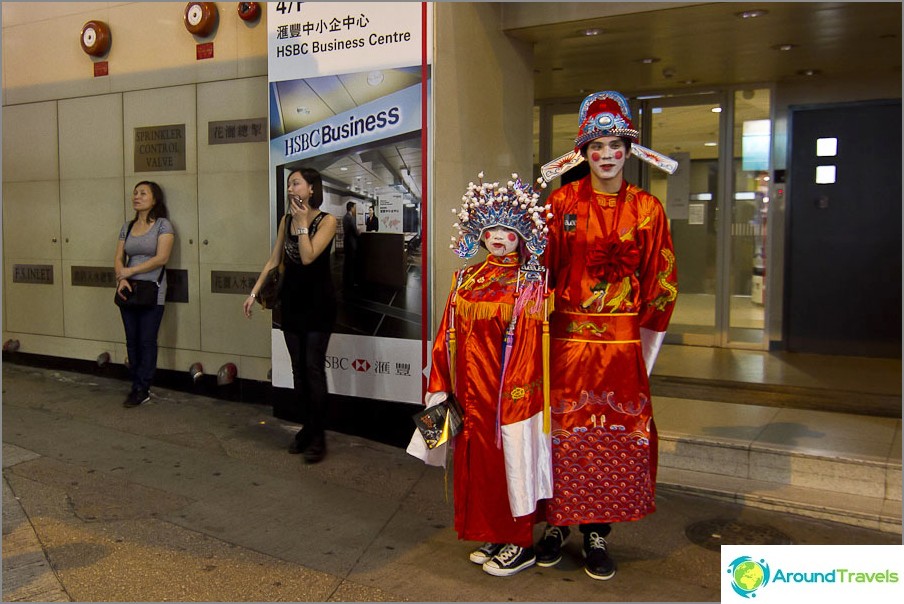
<point x="346" y="364"/>
<point x="375" y="367"/>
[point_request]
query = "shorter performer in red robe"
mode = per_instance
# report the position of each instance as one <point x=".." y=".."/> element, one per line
<point x="489" y="354"/>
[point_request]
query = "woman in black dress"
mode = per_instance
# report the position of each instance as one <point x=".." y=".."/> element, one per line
<point x="307" y="302"/>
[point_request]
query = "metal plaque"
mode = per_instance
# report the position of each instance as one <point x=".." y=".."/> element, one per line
<point x="160" y="148"/>
<point x="176" y="285"/>
<point x="41" y="274"/>
<point x="232" y="282"/>
<point x="94" y="276"/>
<point x="237" y="131"/>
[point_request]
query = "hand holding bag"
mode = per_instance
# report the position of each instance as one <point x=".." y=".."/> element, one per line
<point x="439" y="423"/>
<point x="143" y="294"/>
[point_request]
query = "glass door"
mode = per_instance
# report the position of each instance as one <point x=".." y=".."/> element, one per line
<point x="688" y="129"/>
<point x="747" y="237"/>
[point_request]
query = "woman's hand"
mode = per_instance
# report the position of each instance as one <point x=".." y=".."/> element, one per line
<point x="121" y="286"/>
<point x="301" y="213"/>
<point x="124" y="273"/>
<point x="247" y="306"/>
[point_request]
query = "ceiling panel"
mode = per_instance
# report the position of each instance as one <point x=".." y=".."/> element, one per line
<point x="711" y="45"/>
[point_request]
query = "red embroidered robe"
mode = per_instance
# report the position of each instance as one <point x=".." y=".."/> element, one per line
<point x="495" y="490"/>
<point x="612" y="269"/>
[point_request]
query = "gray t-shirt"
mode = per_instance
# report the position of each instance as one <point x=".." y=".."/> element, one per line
<point x="142" y="248"/>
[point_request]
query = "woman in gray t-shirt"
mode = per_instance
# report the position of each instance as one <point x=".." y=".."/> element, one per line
<point x="144" y="248"/>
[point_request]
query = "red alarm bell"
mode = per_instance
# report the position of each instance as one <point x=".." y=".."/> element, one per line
<point x="200" y="18"/>
<point x="249" y="11"/>
<point x="95" y="38"/>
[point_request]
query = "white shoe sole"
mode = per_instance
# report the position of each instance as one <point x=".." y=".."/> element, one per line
<point x="599" y="577"/>
<point x="550" y="563"/>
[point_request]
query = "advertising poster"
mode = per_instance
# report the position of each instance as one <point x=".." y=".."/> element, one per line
<point x="349" y="87"/>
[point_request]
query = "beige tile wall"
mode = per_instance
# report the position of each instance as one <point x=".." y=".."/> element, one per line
<point x="68" y="174"/>
<point x="221" y="197"/>
<point x="42" y="57"/>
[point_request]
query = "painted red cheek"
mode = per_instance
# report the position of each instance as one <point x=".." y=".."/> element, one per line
<point x="594" y="156"/>
<point x="487" y="235"/>
<point x="512" y="237"/>
<point x="619" y="155"/>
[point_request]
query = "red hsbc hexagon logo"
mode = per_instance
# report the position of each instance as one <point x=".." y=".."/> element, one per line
<point x="360" y="365"/>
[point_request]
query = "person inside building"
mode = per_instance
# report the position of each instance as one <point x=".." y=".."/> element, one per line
<point x="144" y="248"/>
<point x="612" y="270"/>
<point x="371" y="223"/>
<point x="307" y="303"/>
<point x="350" y="236"/>
<point x="488" y="355"/>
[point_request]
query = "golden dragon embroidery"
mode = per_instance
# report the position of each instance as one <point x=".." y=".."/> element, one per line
<point x="671" y="292"/>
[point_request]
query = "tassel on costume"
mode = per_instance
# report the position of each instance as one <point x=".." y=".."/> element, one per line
<point x="546" y="415"/>
<point x="450" y="346"/>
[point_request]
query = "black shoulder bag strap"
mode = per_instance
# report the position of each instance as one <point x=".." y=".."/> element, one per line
<point x="316" y="222"/>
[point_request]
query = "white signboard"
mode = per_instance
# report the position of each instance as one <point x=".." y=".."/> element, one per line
<point x="391" y="215"/>
<point x="312" y="47"/>
<point x="307" y="39"/>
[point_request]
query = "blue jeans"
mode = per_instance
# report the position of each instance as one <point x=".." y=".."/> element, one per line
<point x="308" y="354"/>
<point x="142" y="325"/>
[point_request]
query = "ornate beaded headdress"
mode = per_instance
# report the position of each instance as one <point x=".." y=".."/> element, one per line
<point x="604" y="113"/>
<point x="514" y="206"/>
<point x="488" y="205"/>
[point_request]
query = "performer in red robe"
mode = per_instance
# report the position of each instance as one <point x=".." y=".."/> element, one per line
<point x="612" y="269"/>
<point x="488" y="352"/>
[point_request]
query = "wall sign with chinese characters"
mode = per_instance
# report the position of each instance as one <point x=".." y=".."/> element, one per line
<point x="93" y="276"/>
<point x="237" y="131"/>
<point x="232" y="282"/>
<point x="160" y="148"/>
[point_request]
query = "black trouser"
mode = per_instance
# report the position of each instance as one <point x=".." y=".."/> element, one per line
<point x="141" y="327"/>
<point x="308" y="354"/>
<point x="602" y="528"/>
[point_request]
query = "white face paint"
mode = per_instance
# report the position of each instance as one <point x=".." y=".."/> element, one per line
<point x="606" y="157"/>
<point x="500" y="241"/>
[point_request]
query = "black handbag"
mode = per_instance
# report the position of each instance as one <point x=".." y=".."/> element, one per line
<point x="268" y="295"/>
<point x="143" y="294"/>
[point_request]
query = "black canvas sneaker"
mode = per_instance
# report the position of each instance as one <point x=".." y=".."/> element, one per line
<point x="510" y="560"/>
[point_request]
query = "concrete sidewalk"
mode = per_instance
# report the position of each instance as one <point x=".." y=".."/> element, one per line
<point x="190" y="498"/>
